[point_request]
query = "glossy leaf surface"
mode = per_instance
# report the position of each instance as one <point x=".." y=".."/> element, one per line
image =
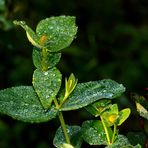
<point x="23" y="104"/>
<point x="56" y="33"/>
<point x="74" y="133"/>
<point x="93" y="132"/>
<point x="89" y="92"/>
<point x="47" y="85"/>
<point x="51" y="58"/>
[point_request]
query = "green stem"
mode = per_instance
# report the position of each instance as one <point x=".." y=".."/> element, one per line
<point x="114" y="133"/>
<point x="106" y="130"/>
<point x="63" y="125"/>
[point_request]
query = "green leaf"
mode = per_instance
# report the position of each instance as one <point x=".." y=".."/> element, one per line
<point x="23" y="104"/>
<point x="123" y="115"/>
<point x="120" y="142"/>
<point x="97" y="108"/>
<point x="93" y="132"/>
<point x="31" y="35"/>
<point x="2" y="5"/>
<point x="142" y="111"/>
<point x="74" y="133"/>
<point x="89" y="92"/>
<point x="51" y="60"/>
<point x="137" y="138"/>
<point x="56" y="33"/>
<point x="47" y="85"/>
<point x="110" y="116"/>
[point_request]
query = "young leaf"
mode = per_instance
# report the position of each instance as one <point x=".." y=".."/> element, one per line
<point x="65" y="145"/>
<point x="74" y="133"/>
<point x="23" y="104"/>
<point x="47" y="85"/>
<point x="137" y="138"/>
<point x="89" y="92"/>
<point x="93" y="132"/>
<point x="97" y="108"/>
<point x="111" y="116"/>
<point x="56" y="33"/>
<point x="31" y="35"/>
<point x="123" y="115"/>
<point x="51" y="59"/>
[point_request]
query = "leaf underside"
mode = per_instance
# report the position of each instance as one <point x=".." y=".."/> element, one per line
<point x="23" y="104"/>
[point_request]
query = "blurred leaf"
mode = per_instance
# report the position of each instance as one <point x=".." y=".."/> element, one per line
<point x="74" y="133"/>
<point x="47" y="85"/>
<point x="51" y="59"/>
<point x="2" y="5"/>
<point x="89" y="92"/>
<point x="93" y="132"/>
<point x="137" y="138"/>
<point x="98" y="107"/>
<point x="142" y="111"/>
<point x="56" y="33"/>
<point x="23" y="104"/>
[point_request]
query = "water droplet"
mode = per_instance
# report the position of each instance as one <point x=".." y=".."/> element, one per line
<point x="46" y="73"/>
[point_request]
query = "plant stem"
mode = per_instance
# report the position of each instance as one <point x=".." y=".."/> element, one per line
<point x="63" y="125"/>
<point x="106" y="131"/>
<point x="114" y="133"/>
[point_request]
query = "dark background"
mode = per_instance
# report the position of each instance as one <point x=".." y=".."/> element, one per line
<point x="112" y="42"/>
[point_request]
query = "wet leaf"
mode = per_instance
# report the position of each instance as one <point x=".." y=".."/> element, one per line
<point x="23" y="104"/>
<point x="98" y="107"/>
<point x="120" y="142"/>
<point x="93" y="132"/>
<point x="47" y="85"/>
<point x="51" y="60"/>
<point x="56" y="33"/>
<point x="74" y="133"/>
<point x="89" y="92"/>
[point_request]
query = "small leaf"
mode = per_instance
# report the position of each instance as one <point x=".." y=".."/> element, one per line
<point x="97" y="108"/>
<point x="123" y="115"/>
<point x="111" y="116"/>
<point x="89" y="92"/>
<point x="23" y="104"/>
<point x="74" y="133"/>
<point x="120" y="142"/>
<point x="31" y="35"/>
<point x="142" y="111"/>
<point x="51" y="60"/>
<point x="47" y="85"/>
<point x="56" y="33"/>
<point x="93" y="132"/>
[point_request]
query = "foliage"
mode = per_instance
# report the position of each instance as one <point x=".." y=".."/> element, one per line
<point x="40" y="103"/>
